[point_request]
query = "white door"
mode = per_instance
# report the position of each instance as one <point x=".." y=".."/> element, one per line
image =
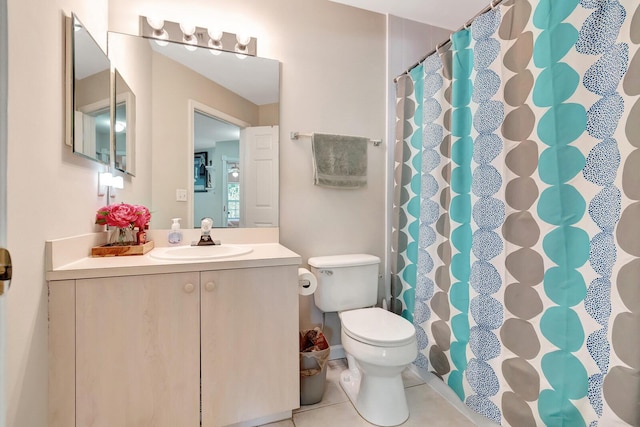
<point x="5" y="272"/>
<point x="259" y="179"/>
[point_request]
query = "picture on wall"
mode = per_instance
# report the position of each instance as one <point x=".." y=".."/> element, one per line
<point x="200" y="173"/>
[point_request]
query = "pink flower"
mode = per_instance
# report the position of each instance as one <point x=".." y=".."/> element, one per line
<point x="143" y="216"/>
<point x="123" y="215"/>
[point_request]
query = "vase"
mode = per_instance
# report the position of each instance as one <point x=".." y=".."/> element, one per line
<point x="122" y="236"/>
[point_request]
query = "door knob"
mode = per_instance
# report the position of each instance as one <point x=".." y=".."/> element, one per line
<point x="188" y="288"/>
<point x="6" y="270"/>
<point x="210" y="286"/>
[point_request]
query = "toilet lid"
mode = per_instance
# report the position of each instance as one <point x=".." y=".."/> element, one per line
<point x="377" y="327"/>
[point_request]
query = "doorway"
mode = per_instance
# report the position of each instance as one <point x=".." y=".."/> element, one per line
<point x="216" y="145"/>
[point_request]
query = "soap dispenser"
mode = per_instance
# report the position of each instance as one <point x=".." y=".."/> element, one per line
<point x="175" y="235"/>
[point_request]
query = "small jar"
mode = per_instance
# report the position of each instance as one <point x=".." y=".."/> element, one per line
<point x="141" y="236"/>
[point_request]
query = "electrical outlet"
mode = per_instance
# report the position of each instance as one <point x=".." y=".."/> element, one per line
<point x="181" y="195"/>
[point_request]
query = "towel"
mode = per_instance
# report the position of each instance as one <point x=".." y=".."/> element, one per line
<point x="339" y="161"/>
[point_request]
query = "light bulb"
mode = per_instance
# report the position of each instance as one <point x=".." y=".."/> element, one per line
<point x="188" y="29"/>
<point x="215" y="35"/>
<point x="243" y="39"/>
<point x="120" y="126"/>
<point x="155" y="23"/>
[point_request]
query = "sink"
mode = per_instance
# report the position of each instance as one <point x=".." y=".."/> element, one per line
<point x="198" y="253"/>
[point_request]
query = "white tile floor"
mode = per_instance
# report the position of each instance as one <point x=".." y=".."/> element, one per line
<point x="426" y="406"/>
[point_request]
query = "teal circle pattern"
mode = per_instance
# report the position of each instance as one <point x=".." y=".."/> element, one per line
<point x="564" y="329"/>
<point x="565" y="286"/>
<point x="565" y="373"/>
<point x="551" y="206"/>
<point x="559" y="41"/>
<point x="562" y="124"/>
<point x="560" y="164"/>
<point x="567" y="246"/>
<point x="562" y="206"/>
<point x="460" y="208"/>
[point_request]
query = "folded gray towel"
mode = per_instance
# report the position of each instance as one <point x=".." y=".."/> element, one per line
<point x="339" y="161"/>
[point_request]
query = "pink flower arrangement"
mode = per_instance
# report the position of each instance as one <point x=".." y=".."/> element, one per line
<point x="123" y="215"/>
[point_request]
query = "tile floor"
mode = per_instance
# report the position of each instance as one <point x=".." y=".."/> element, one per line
<point x="427" y="407"/>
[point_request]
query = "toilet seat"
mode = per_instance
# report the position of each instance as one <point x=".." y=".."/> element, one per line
<point x="377" y="327"/>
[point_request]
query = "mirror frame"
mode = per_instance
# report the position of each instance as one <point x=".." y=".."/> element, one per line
<point x="70" y="95"/>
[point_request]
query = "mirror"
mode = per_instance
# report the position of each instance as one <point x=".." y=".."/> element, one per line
<point x="186" y="95"/>
<point x="124" y="125"/>
<point x="89" y="126"/>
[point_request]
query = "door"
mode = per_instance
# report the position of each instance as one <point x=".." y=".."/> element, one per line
<point x="138" y="351"/>
<point x="4" y="272"/>
<point x="259" y="180"/>
<point x="249" y="344"/>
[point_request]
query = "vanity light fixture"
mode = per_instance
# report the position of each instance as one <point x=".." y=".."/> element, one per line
<point x="193" y="36"/>
<point x="107" y="181"/>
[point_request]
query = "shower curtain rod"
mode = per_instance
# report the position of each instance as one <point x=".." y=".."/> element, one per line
<point x="491" y="6"/>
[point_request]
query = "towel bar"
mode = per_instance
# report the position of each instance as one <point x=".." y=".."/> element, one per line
<point x="297" y="135"/>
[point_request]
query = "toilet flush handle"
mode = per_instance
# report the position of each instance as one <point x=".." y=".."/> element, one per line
<point x="327" y="272"/>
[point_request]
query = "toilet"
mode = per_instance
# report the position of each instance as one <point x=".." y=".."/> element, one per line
<point x="378" y="343"/>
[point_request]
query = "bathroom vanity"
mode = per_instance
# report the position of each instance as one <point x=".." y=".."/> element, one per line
<point x="135" y="341"/>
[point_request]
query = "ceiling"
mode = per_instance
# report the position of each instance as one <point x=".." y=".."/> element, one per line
<point x="209" y="130"/>
<point x="449" y="14"/>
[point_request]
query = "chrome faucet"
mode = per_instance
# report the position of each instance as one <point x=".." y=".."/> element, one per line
<point x="205" y="237"/>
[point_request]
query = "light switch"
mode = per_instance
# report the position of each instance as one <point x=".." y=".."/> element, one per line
<point x="181" y="195"/>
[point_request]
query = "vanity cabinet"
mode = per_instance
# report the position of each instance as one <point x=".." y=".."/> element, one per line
<point x="208" y="348"/>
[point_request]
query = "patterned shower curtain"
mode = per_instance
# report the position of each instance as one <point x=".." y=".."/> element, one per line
<point x="516" y="232"/>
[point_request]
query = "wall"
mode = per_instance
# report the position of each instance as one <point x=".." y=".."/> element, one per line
<point x="333" y="71"/>
<point x="51" y="192"/>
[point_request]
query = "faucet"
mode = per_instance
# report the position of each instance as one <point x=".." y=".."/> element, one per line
<point x="205" y="238"/>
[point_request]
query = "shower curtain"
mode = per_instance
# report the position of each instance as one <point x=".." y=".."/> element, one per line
<point x="516" y="229"/>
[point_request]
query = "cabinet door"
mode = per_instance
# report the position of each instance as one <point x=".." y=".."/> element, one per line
<point x="138" y="351"/>
<point x="250" y="366"/>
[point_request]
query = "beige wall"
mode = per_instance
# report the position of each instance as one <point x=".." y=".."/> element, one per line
<point x="92" y="89"/>
<point x="51" y="192"/>
<point x="269" y="114"/>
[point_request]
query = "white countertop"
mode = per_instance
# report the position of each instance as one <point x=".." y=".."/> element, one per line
<point x="262" y="255"/>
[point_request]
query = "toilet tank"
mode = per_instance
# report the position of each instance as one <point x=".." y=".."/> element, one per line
<point x="345" y="282"/>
